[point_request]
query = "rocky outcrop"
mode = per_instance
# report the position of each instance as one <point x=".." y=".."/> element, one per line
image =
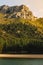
<point x="17" y="12"/>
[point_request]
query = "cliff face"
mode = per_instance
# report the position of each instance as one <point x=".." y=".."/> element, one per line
<point x="17" y="12"/>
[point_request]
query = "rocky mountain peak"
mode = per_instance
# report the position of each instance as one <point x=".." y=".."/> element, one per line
<point x="24" y="7"/>
<point x="21" y="11"/>
<point x="4" y="7"/>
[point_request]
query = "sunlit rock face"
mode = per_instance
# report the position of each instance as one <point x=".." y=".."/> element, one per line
<point x="21" y="11"/>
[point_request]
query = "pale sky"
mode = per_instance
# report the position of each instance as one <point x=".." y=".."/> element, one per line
<point x="36" y="6"/>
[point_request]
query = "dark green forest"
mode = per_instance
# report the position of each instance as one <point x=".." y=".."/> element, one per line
<point x="21" y="38"/>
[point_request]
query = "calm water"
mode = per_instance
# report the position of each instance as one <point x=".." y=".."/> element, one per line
<point x="21" y="61"/>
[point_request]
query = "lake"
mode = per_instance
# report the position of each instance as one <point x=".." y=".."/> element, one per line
<point x="21" y="61"/>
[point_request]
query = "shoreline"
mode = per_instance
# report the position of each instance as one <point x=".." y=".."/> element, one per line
<point x="21" y="56"/>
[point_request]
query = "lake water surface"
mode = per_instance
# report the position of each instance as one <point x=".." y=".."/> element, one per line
<point x="21" y="61"/>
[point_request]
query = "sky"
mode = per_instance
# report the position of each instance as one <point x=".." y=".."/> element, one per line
<point x="36" y="6"/>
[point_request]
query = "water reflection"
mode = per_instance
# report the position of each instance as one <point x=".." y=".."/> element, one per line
<point x="21" y="61"/>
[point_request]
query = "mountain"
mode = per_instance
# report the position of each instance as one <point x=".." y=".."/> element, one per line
<point x="20" y="30"/>
<point x="21" y="11"/>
